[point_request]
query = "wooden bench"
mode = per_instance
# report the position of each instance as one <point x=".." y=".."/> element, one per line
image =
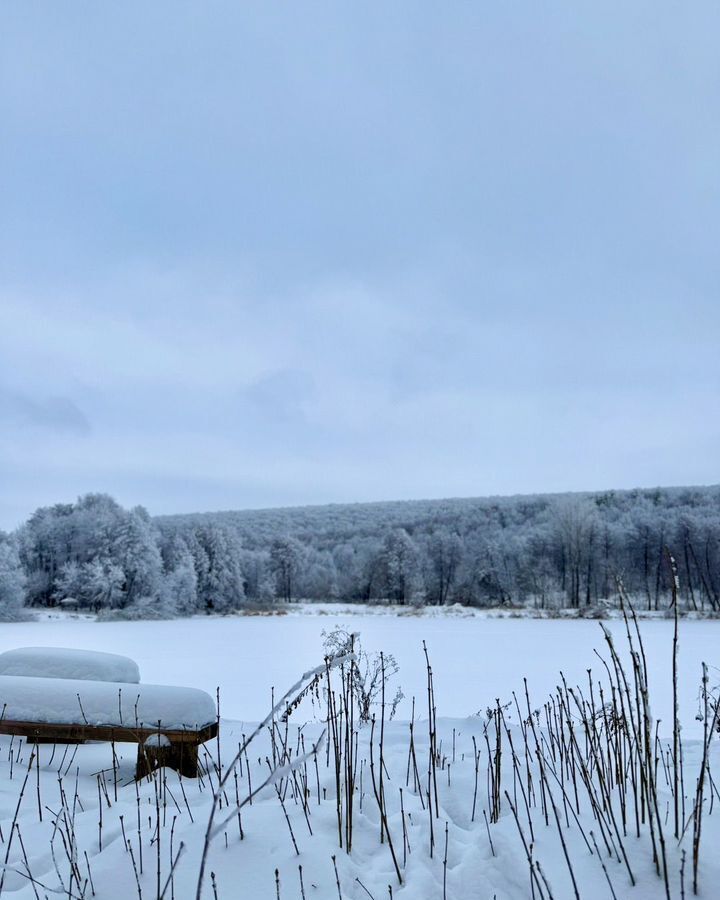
<point x="180" y="754"/>
<point x="167" y="723"/>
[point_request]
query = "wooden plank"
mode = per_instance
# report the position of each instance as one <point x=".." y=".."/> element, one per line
<point x="59" y="732"/>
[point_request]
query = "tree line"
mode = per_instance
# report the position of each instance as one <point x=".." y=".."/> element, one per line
<point x="548" y="551"/>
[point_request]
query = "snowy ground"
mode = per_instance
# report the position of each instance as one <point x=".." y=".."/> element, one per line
<point x="475" y="660"/>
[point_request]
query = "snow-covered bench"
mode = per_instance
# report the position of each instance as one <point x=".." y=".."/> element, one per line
<point x="62" y="662"/>
<point x="167" y="723"/>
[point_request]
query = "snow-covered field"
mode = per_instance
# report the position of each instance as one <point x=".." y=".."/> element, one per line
<point x="475" y="660"/>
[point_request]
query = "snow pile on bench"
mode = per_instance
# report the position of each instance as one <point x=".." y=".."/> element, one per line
<point x="62" y="662"/>
<point x="64" y="701"/>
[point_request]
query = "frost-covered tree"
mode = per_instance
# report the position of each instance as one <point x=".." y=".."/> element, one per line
<point x="12" y="580"/>
<point x="443" y="557"/>
<point x="45" y="546"/>
<point x="258" y="575"/>
<point x="318" y="576"/>
<point x="179" y="588"/>
<point x="401" y="567"/>
<point x="95" y="585"/>
<point x="286" y="555"/>
<point x="576" y="521"/>
<point x="220" y="579"/>
<point x="69" y="583"/>
<point x="134" y="549"/>
<point x="94" y="551"/>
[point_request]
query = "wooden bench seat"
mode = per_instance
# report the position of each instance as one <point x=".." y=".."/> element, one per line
<point x="167" y="723"/>
<point x="181" y="754"/>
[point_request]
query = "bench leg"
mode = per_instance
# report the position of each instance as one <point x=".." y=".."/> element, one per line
<point x="143" y="766"/>
<point x="182" y="757"/>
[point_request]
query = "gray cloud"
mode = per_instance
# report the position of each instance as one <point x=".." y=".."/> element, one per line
<point x="56" y="414"/>
<point x="258" y="256"/>
<point x="281" y="396"/>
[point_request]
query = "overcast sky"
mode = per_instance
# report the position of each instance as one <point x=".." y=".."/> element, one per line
<point x="281" y="253"/>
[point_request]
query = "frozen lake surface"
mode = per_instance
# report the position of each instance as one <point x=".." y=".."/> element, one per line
<point x="475" y="658"/>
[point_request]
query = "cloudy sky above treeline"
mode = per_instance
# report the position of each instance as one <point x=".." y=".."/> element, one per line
<point x="271" y="254"/>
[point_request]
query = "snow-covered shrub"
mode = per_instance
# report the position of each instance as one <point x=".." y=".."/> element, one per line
<point x="142" y="608"/>
<point x="367" y="672"/>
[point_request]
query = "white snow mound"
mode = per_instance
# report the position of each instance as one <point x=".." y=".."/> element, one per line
<point x="62" y="662"/>
<point x="157" y="740"/>
<point x="80" y="702"/>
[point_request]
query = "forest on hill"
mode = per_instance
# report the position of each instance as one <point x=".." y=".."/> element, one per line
<point x="545" y="551"/>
